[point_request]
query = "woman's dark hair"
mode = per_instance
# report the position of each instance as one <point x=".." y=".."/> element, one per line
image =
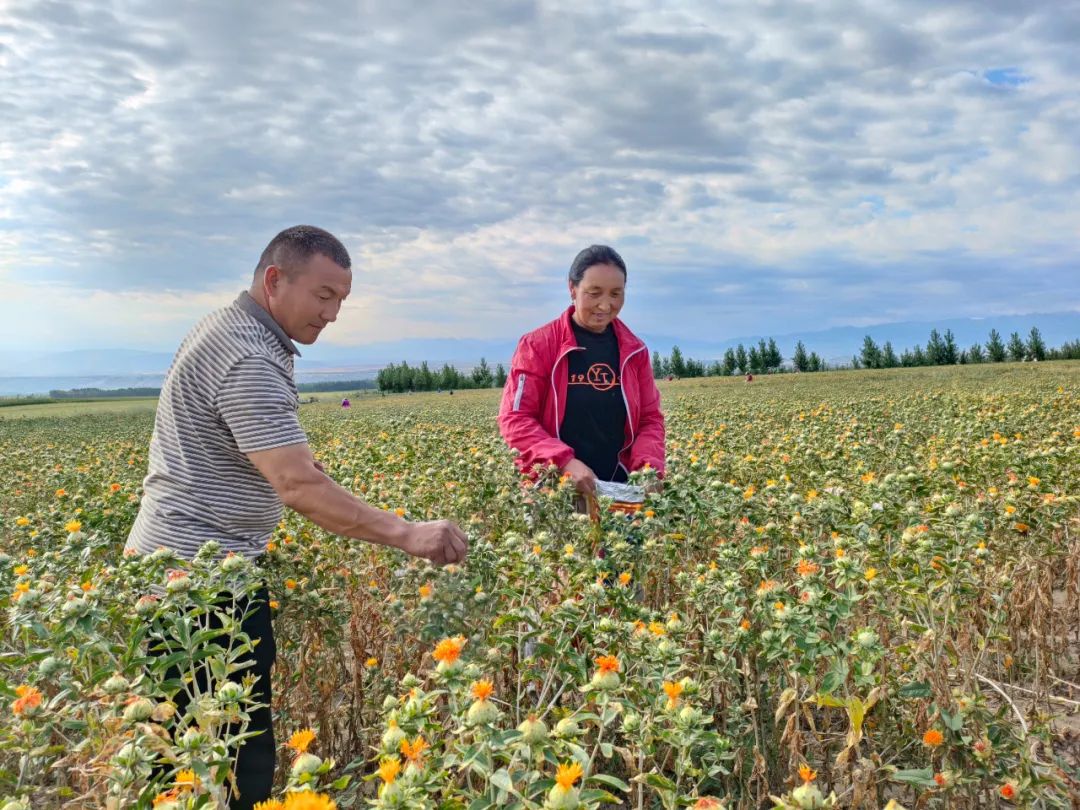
<point x="594" y="254"/>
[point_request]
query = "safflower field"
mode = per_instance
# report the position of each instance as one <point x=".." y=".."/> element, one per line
<point x="857" y="589"/>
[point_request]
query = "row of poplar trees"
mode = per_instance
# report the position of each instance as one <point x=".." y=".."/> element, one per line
<point x="942" y="350"/>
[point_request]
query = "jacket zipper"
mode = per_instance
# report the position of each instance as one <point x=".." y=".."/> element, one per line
<point x="520" y="391"/>
<point x="555" y="391"/>
<point x="622" y="388"/>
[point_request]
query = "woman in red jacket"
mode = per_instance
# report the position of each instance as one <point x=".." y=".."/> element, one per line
<point x="581" y="394"/>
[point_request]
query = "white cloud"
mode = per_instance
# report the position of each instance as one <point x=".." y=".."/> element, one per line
<point x="466" y="154"/>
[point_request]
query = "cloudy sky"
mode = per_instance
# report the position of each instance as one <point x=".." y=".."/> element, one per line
<point x="762" y="166"/>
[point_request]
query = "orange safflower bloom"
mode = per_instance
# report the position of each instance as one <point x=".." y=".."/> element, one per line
<point x="1008" y="791"/>
<point x="767" y="585"/>
<point x="425" y="590"/>
<point x="933" y="738"/>
<point x="807" y="568"/>
<point x="566" y="775"/>
<point x="187" y="780"/>
<point x="171" y="795"/>
<point x="413" y="751"/>
<point x="482" y="690"/>
<point x="389" y="770"/>
<point x="449" y="649"/>
<point x="27" y="698"/>
<point x="745" y="624"/>
<point x="806" y="774"/>
<point x="607" y="663"/>
<point x="300" y="740"/>
<point x="673" y="691"/>
<point x="707" y="803"/>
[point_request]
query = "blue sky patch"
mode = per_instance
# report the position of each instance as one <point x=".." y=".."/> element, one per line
<point x="1006" y="77"/>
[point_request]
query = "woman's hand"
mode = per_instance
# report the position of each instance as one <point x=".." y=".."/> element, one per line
<point x="583" y="477"/>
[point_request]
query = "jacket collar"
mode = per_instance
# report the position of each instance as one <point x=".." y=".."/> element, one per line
<point x="628" y="341"/>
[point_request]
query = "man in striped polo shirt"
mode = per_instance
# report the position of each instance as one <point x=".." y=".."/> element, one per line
<point x="228" y="450"/>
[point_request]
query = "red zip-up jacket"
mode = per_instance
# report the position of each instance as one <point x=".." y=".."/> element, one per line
<point x="534" y="399"/>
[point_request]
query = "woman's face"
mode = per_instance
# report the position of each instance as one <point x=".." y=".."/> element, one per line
<point x="599" y="296"/>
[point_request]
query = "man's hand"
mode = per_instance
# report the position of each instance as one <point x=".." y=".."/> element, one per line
<point x="440" y="541"/>
<point x="583" y="477"/>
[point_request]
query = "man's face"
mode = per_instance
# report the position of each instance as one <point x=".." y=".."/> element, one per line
<point x="306" y="303"/>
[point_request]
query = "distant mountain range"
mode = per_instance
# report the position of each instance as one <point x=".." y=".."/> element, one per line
<point x="38" y="372"/>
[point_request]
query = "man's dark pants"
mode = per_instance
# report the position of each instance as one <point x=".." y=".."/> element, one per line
<point x="256" y="758"/>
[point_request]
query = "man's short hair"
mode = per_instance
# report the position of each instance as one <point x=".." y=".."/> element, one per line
<point x="291" y="249"/>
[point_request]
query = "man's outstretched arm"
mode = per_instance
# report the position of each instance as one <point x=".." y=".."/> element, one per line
<point x="302" y="486"/>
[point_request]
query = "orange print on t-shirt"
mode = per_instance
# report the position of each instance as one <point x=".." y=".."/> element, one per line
<point x="600" y="377"/>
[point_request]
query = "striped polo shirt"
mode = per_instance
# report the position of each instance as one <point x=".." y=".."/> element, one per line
<point x="229" y="391"/>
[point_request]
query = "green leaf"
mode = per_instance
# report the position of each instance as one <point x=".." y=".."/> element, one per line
<point x="921" y="777"/>
<point x="610" y="781"/>
<point x="591" y="796"/>
<point x="830" y="701"/>
<point x="657" y="781"/>
<point x="953" y="721"/>
<point x="501" y="779"/>
<point x="915" y="689"/>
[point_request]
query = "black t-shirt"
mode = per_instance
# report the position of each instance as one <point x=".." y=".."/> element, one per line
<point x="595" y="421"/>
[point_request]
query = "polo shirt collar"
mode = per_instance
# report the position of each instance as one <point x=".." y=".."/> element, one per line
<point x="253" y="308"/>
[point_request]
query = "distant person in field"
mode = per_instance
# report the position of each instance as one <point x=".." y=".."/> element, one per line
<point x="345" y="403"/>
<point x="581" y="393"/>
<point x="228" y="451"/>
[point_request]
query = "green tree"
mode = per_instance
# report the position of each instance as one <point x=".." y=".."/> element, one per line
<point x="658" y="370"/>
<point x="800" y="359"/>
<point x="995" y="349"/>
<point x="1017" y="349"/>
<point x="481" y="375"/>
<point x="677" y="365"/>
<point x="500" y="376"/>
<point x="730" y="363"/>
<point x="816" y="363"/>
<point x="449" y="378"/>
<point x="935" y="349"/>
<point x="694" y="368"/>
<point x="763" y="356"/>
<point x="950" y="353"/>
<point x="870" y="356"/>
<point x="741" y="359"/>
<point x="888" y="356"/>
<point x="757" y="362"/>
<point x="918" y="357"/>
<point x="975" y="354"/>
<point x="1036" y="347"/>
<point x="425" y="380"/>
<point x="773" y="358"/>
